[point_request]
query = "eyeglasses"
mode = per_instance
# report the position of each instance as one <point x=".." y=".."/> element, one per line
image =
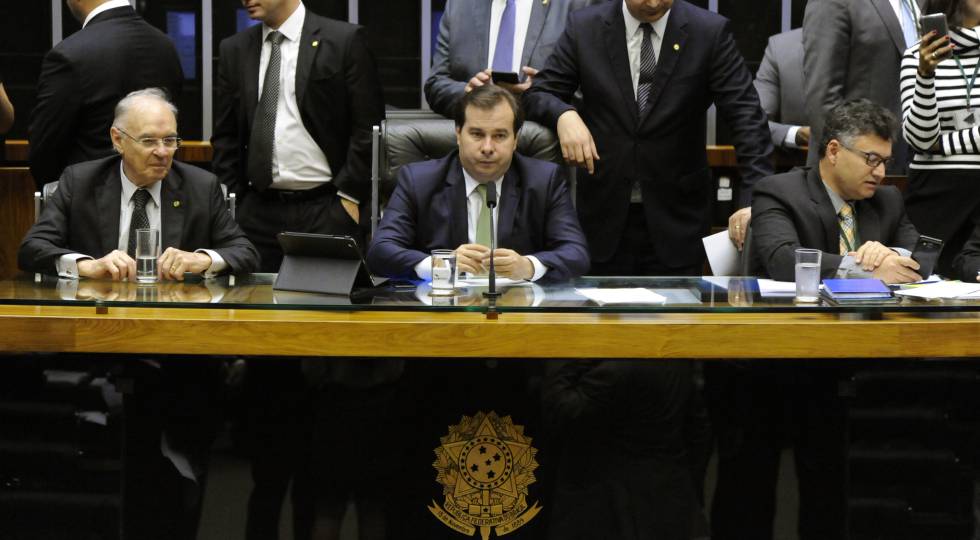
<point x="151" y="143"/>
<point x="872" y="159"/>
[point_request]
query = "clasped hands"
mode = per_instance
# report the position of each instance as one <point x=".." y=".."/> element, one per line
<point x="885" y="264"/>
<point x="118" y="265"/>
<point x="475" y="258"/>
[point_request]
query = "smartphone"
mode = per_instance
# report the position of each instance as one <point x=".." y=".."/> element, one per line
<point x="936" y="21"/>
<point x="504" y="77"/>
<point x="926" y="253"/>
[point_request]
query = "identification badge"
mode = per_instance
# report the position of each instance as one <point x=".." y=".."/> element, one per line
<point x="965" y="119"/>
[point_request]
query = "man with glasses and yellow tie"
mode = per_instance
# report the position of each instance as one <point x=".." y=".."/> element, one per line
<point x="840" y="208"/>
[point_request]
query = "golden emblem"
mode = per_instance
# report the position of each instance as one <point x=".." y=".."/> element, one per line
<point x="677" y="46"/>
<point x="485" y="465"/>
<point x="176" y="204"/>
<point x="315" y="43"/>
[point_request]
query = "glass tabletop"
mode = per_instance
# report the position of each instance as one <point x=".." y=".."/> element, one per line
<point x="583" y="295"/>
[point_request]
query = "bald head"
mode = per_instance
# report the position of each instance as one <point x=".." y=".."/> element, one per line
<point x="144" y="132"/>
<point x="141" y="103"/>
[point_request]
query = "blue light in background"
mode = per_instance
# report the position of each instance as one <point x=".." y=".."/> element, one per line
<point x="181" y="29"/>
<point x="242" y="21"/>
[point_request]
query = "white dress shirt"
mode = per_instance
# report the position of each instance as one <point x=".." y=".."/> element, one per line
<point x="521" y="19"/>
<point x="297" y="161"/>
<point x="474" y="204"/>
<point x="67" y="265"/>
<point x="111" y="4"/>
<point x="634" y="41"/>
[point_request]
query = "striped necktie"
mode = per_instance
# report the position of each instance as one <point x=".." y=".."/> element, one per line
<point x="648" y="65"/>
<point x="848" y="229"/>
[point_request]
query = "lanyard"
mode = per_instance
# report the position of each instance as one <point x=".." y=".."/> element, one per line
<point x="969" y="82"/>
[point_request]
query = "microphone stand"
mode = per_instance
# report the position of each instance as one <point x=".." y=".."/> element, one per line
<point x="492" y="293"/>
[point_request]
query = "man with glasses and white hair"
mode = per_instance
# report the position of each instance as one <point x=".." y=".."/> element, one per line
<point x="87" y="227"/>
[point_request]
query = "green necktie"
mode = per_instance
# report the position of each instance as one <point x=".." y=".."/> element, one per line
<point x="483" y="222"/>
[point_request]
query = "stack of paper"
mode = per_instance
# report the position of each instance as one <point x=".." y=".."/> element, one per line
<point x="769" y="288"/>
<point x="622" y="296"/>
<point x="943" y="290"/>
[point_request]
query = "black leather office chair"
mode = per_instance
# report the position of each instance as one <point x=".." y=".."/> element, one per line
<point x="407" y="136"/>
<point x="51" y="187"/>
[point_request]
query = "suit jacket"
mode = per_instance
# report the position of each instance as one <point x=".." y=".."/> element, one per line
<point x="852" y="50"/>
<point x="792" y="210"/>
<point x="779" y="82"/>
<point x="622" y="459"/>
<point x="464" y="44"/>
<point x="665" y="150"/>
<point x="967" y="263"/>
<point x="82" y="79"/>
<point x="82" y="216"/>
<point x="337" y="91"/>
<point x="428" y="211"/>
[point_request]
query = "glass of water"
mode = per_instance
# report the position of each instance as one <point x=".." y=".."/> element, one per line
<point x="807" y="275"/>
<point x="443" y="272"/>
<point x="147" y="252"/>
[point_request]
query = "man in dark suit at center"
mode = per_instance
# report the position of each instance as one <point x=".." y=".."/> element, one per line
<point x="438" y="204"/>
<point x="83" y="77"/>
<point x="295" y="100"/>
<point x="648" y="70"/>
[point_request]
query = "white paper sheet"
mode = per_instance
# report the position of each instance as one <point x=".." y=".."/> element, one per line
<point x="770" y="287"/>
<point x="942" y="290"/>
<point x="485" y="282"/>
<point x="622" y="296"/>
<point x="722" y="254"/>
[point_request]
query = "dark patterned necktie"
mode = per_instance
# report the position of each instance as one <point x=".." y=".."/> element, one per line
<point x="264" y="124"/>
<point x="139" y="219"/>
<point x="648" y="65"/>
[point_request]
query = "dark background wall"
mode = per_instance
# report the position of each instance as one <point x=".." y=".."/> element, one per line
<point x="393" y="30"/>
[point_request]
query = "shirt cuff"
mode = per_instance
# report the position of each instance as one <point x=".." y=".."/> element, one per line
<point x="902" y="252"/>
<point x="539" y="269"/>
<point x="849" y="268"/>
<point x="343" y="195"/>
<point x="790" y="140"/>
<point x="424" y="269"/>
<point x="67" y="265"/>
<point x="218" y="264"/>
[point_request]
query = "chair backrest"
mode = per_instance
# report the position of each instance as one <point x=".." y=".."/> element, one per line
<point x="407" y="136"/>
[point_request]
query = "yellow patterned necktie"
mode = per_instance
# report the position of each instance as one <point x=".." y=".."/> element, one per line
<point x="848" y="229"/>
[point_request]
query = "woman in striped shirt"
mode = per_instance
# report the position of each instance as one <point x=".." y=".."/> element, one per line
<point x="941" y="122"/>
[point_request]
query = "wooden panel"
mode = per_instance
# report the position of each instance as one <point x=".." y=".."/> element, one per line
<point x="18" y="151"/>
<point x="16" y="214"/>
<point x="470" y="335"/>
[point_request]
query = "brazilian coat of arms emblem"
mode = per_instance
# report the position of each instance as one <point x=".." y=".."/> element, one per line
<point x="485" y="465"/>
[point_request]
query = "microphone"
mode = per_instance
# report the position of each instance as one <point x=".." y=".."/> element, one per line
<point x="492" y="274"/>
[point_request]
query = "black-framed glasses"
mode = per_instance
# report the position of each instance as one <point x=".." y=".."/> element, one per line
<point x="150" y="143"/>
<point x="872" y="159"/>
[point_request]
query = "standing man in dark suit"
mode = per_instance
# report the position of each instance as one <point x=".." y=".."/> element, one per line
<point x="853" y="50"/>
<point x="648" y="71"/>
<point x="779" y="83"/>
<point x="437" y="204"/>
<point x="84" y="76"/>
<point x="967" y="263"/>
<point x="87" y="230"/>
<point x="477" y="37"/>
<point x="861" y="227"/>
<point x="296" y="98"/>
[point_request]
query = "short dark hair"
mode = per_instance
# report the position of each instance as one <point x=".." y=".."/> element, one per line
<point x="853" y="119"/>
<point x="485" y="98"/>
<point x="953" y="9"/>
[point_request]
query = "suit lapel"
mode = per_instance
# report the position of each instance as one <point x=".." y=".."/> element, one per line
<point x="868" y="223"/>
<point x="108" y="201"/>
<point x="172" y="207"/>
<point x="619" y="62"/>
<point x="824" y="209"/>
<point x="458" y="220"/>
<point x="250" y="71"/>
<point x="539" y="14"/>
<point x="510" y="198"/>
<point x="894" y="27"/>
<point x="673" y="42"/>
<point x="307" y="53"/>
